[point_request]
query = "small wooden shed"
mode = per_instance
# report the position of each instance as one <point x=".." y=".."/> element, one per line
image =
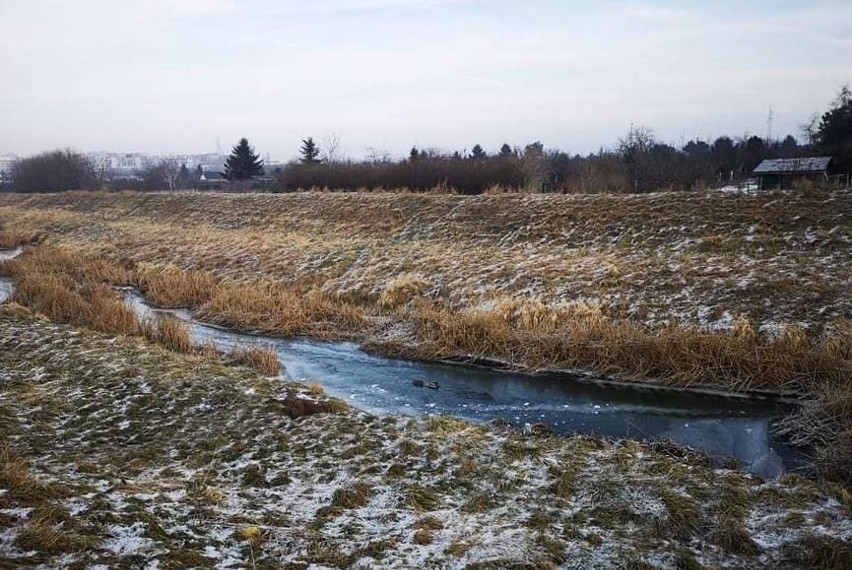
<point x="780" y="172"/>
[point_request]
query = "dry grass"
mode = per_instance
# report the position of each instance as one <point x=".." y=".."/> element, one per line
<point x="605" y="282"/>
<point x="263" y="359"/>
<point x="138" y="414"/>
<point x="172" y="287"/>
<point x="282" y="310"/>
<point x="18" y="481"/>
<point x="169" y="332"/>
<point x="732" y="536"/>
<point x="50" y="529"/>
<point x="821" y="553"/>
<point x="737" y="292"/>
<point x="824" y="424"/>
<point x="354" y="496"/>
<point x="738" y="359"/>
<point x="68" y="288"/>
<point x="203" y="465"/>
<point x="402" y="290"/>
<point x="47" y="532"/>
<point x="10" y="239"/>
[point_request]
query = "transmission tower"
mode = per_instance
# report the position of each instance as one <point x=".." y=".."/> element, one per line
<point x="769" y="119"/>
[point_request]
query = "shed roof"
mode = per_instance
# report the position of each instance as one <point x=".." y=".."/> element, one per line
<point x="212" y="176"/>
<point x="809" y="164"/>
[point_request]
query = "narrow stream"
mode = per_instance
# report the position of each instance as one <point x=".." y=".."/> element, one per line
<point x="5" y="282"/>
<point x="724" y="427"/>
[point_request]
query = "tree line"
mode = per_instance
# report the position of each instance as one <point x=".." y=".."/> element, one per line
<point x="637" y="163"/>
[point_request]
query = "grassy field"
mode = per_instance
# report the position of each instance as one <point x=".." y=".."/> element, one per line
<point x="734" y="291"/>
<point x="116" y="451"/>
<point x="123" y="444"/>
<point x="683" y="288"/>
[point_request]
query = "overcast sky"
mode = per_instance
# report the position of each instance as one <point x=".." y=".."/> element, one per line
<point x="175" y="75"/>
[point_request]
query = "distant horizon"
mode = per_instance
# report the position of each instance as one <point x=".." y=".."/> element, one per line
<point x="162" y="75"/>
<point x="226" y="150"/>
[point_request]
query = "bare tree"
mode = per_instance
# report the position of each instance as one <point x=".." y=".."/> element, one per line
<point x="377" y="156"/>
<point x="164" y="174"/>
<point x="635" y="150"/>
<point x="171" y="174"/>
<point x="809" y="129"/>
<point x="330" y="147"/>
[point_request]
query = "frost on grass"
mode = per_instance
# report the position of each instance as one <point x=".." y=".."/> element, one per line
<point x="118" y="453"/>
<point x="742" y="292"/>
<point x="771" y="256"/>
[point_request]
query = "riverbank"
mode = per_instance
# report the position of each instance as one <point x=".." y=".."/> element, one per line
<point x="738" y="429"/>
<point x="741" y="292"/>
<point x="184" y="460"/>
<point x="727" y="292"/>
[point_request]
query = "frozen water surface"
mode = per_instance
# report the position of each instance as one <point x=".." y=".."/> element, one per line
<point x="724" y="427"/>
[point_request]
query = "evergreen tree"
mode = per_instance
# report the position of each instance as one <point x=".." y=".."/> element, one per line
<point x="310" y="151"/>
<point x="477" y="153"/>
<point x="506" y="150"/>
<point x="243" y="163"/>
<point x="414" y="154"/>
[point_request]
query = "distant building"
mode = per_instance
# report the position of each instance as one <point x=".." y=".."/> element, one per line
<point x="6" y="162"/>
<point x="780" y="172"/>
<point x="212" y="176"/>
<point x="130" y="166"/>
<point x="211" y="180"/>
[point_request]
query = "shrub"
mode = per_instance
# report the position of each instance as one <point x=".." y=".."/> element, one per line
<point x="54" y="171"/>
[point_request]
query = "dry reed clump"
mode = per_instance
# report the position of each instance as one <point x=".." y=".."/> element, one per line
<point x="77" y="267"/>
<point x="169" y="332"/>
<point x="21" y="486"/>
<point x="171" y="286"/>
<point x="281" y="310"/>
<point x="402" y="289"/>
<point x="10" y="239"/>
<point x="263" y="359"/>
<point x="298" y="407"/>
<point x="69" y="288"/>
<point x="824" y="424"/>
<point x="583" y="338"/>
<point x="534" y="315"/>
<point x="5" y="268"/>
